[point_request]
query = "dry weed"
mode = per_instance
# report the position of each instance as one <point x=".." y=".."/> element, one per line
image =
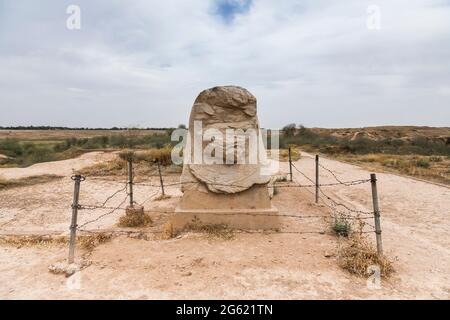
<point x="34" y="240"/>
<point x="29" y="181"/>
<point x="163" y="156"/>
<point x="284" y="154"/>
<point x="434" y="168"/>
<point x="357" y="254"/>
<point x="135" y="220"/>
<point x="91" y="241"/>
<point x="215" y="231"/>
<point x="168" y="232"/>
<point x="162" y="197"/>
<point x="144" y="164"/>
<point x="114" y="167"/>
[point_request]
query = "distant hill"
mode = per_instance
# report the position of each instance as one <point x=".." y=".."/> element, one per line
<point x="406" y="133"/>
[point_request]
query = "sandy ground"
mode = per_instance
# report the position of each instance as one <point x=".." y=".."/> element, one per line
<point x="59" y="168"/>
<point x="296" y="265"/>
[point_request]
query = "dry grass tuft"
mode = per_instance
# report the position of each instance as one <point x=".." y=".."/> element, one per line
<point x="215" y="231"/>
<point x="168" y="232"/>
<point x="144" y="164"/>
<point x="162" y="197"/>
<point x="434" y="168"/>
<point x="163" y="156"/>
<point x="34" y="240"/>
<point x="89" y="242"/>
<point x="135" y="217"/>
<point x="295" y="154"/>
<point x="135" y="220"/>
<point x="358" y="254"/>
<point x="115" y="167"/>
<point x="29" y="181"/>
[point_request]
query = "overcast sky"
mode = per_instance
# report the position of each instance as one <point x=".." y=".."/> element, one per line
<point x="142" y="63"/>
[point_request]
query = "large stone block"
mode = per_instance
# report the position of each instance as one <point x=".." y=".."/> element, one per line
<point x="233" y="192"/>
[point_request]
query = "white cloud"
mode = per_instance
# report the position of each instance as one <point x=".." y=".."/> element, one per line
<point x="312" y="62"/>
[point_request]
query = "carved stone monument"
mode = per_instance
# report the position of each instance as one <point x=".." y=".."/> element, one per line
<point x="224" y="178"/>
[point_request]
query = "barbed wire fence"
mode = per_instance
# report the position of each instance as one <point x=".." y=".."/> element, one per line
<point x="338" y="210"/>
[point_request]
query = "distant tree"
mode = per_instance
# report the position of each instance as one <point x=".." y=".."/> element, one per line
<point x="305" y="132"/>
<point x="289" y="130"/>
<point x="182" y="126"/>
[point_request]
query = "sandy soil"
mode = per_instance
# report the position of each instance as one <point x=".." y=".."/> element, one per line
<point x="59" y="168"/>
<point x="258" y="265"/>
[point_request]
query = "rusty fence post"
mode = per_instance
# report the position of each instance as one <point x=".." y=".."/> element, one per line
<point x="317" y="178"/>
<point x="161" y="179"/>
<point x="376" y="212"/>
<point x="290" y="163"/>
<point x="73" y="225"/>
<point x="130" y="181"/>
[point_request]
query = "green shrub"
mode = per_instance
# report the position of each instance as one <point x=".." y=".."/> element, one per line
<point x="334" y="145"/>
<point x="341" y="227"/>
<point x="11" y="147"/>
<point x="422" y="163"/>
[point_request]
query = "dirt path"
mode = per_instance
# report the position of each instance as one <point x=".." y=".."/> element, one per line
<point x="59" y="168"/>
<point x="285" y="265"/>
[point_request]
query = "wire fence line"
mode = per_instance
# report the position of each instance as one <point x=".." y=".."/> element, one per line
<point x="332" y="205"/>
<point x="335" y="202"/>
<point x="297" y="185"/>
<point x="334" y="175"/>
<point x="128" y="232"/>
<point x="337" y="208"/>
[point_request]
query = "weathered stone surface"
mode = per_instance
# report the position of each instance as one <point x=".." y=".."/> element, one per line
<point x="231" y="192"/>
<point x="222" y="108"/>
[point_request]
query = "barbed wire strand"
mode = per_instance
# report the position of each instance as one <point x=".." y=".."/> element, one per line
<point x="104" y="215"/>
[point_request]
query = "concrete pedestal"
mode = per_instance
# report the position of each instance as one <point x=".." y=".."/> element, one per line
<point x="250" y="209"/>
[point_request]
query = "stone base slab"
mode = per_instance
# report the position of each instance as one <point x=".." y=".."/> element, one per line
<point x="245" y="219"/>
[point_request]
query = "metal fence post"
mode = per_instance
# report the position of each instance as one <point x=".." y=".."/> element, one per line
<point x="73" y="225"/>
<point x="130" y="180"/>
<point x="290" y="163"/>
<point x="376" y="212"/>
<point x="161" y="179"/>
<point x="317" y="178"/>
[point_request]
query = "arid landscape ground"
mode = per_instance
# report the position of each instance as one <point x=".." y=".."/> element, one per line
<point x="300" y="261"/>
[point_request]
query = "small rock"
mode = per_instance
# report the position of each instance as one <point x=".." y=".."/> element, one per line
<point x="71" y="269"/>
<point x="63" y="268"/>
<point x="186" y="274"/>
<point x="328" y="255"/>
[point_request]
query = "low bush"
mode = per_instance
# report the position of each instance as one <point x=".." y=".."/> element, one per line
<point x="341" y="226"/>
<point x="357" y="255"/>
<point x="422" y="163"/>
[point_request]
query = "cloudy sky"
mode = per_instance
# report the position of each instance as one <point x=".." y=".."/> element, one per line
<point x="142" y="63"/>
